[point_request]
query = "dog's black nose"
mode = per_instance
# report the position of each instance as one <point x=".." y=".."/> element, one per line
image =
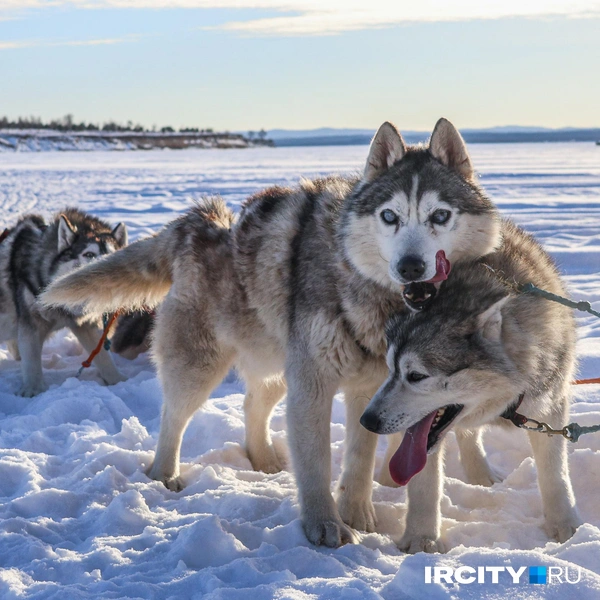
<point x="411" y="268"/>
<point x="371" y="421"/>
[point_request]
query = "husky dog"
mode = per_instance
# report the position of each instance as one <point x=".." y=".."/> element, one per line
<point x="33" y="254"/>
<point x="297" y="290"/>
<point x="470" y="358"/>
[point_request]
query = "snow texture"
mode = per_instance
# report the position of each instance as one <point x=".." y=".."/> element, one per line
<point x="78" y="517"/>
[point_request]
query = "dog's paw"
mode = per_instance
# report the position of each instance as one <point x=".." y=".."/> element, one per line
<point x="266" y="461"/>
<point x="175" y="484"/>
<point x="359" y="513"/>
<point x="328" y="532"/>
<point x="485" y="478"/>
<point x="31" y="389"/>
<point x="412" y="544"/>
<point x="563" y="529"/>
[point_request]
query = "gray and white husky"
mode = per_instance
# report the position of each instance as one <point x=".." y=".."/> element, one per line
<point x="297" y="291"/>
<point x="473" y="354"/>
<point x="33" y="254"/>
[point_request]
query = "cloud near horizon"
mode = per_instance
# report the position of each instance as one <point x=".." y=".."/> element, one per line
<point x="56" y="43"/>
<point x="326" y="17"/>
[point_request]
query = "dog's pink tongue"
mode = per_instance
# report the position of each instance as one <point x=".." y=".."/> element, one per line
<point x="411" y="457"/>
<point x="442" y="267"/>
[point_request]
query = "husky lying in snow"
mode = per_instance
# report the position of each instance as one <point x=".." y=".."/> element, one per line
<point x="300" y="285"/>
<point x="31" y="256"/>
<point x="463" y="362"/>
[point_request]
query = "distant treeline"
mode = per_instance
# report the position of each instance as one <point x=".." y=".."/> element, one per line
<point x="67" y="123"/>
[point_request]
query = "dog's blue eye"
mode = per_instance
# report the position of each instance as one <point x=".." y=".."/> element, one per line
<point x="414" y="377"/>
<point x="389" y="216"/>
<point x="439" y="217"/>
<point x="89" y="255"/>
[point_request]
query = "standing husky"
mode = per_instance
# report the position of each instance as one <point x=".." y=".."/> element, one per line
<point x="470" y="358"/>
<point x="31" y="256"/>
<point x="300" y="285"/>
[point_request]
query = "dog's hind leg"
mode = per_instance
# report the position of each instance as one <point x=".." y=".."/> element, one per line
<point x="190" y="363"/>
<point x="261" y="398"/>
<point x="30" y="343"/>
<point x="551" y="459"/>
<point x="474" y="459"/>
<point x="355" y="486"/>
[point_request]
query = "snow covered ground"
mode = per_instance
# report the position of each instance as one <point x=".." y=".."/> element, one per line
<point x="78" y="517"/>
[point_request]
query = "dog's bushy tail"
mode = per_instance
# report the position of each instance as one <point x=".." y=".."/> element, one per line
<point x="140" y="275"/>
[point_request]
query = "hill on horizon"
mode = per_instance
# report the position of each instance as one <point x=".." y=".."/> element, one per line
<point x="331" y="136"/>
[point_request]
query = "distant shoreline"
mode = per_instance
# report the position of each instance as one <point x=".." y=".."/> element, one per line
<point x="470" y="136"/>
<point x="43" y="140"/>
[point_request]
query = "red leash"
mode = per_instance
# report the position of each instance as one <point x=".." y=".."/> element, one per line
<point x="88" y="363"/>
<point x="582" y="381"/>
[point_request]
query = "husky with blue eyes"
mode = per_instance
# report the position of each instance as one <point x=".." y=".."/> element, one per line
<point x="32" y="254"/>
<point x="469" y="360"/>
<point x="409" y="227"/>
<point x="295" y="291"/>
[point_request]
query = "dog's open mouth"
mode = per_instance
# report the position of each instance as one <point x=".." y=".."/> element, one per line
<point x="418" y="295"/>
<point x="419" y="440"/>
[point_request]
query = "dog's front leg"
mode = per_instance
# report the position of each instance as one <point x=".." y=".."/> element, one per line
<point x="88" y="337"/>
<point x="30" y="341"/>
<point x="551" y="459"/>
<point x="354" y="494"/>
<point x="310" y="395"/>
<point x="424" y="518"/>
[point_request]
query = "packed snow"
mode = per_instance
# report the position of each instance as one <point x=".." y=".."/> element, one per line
<point x="78" y="516"/>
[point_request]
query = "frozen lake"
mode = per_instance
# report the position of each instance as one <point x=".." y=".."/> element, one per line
<point x="78" y="517"/>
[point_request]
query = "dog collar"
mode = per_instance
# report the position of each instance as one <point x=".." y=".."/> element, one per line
<point x="512" y="415"/>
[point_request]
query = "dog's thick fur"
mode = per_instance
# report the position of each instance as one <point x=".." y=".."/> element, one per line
<point x="481" y="344"/>
<point x="302" y="286"/>
<point x="31" y="256"/>
<point x="133" y="334"/>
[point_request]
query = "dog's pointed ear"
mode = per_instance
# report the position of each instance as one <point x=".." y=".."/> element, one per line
<point x="386" y="148"/>
<point x="120" y="235"/>
<point x="448" y="146"/>
<point x="66" y="233"/>
<point x="489" y="322"/>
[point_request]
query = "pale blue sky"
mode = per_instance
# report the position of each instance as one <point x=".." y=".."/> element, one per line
<point x="302" y="63"/>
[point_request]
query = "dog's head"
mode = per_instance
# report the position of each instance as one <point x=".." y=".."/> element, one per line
<point x="446" y="367"/>
<point x="81" y="238"/>
<point x="417" y="210"/>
